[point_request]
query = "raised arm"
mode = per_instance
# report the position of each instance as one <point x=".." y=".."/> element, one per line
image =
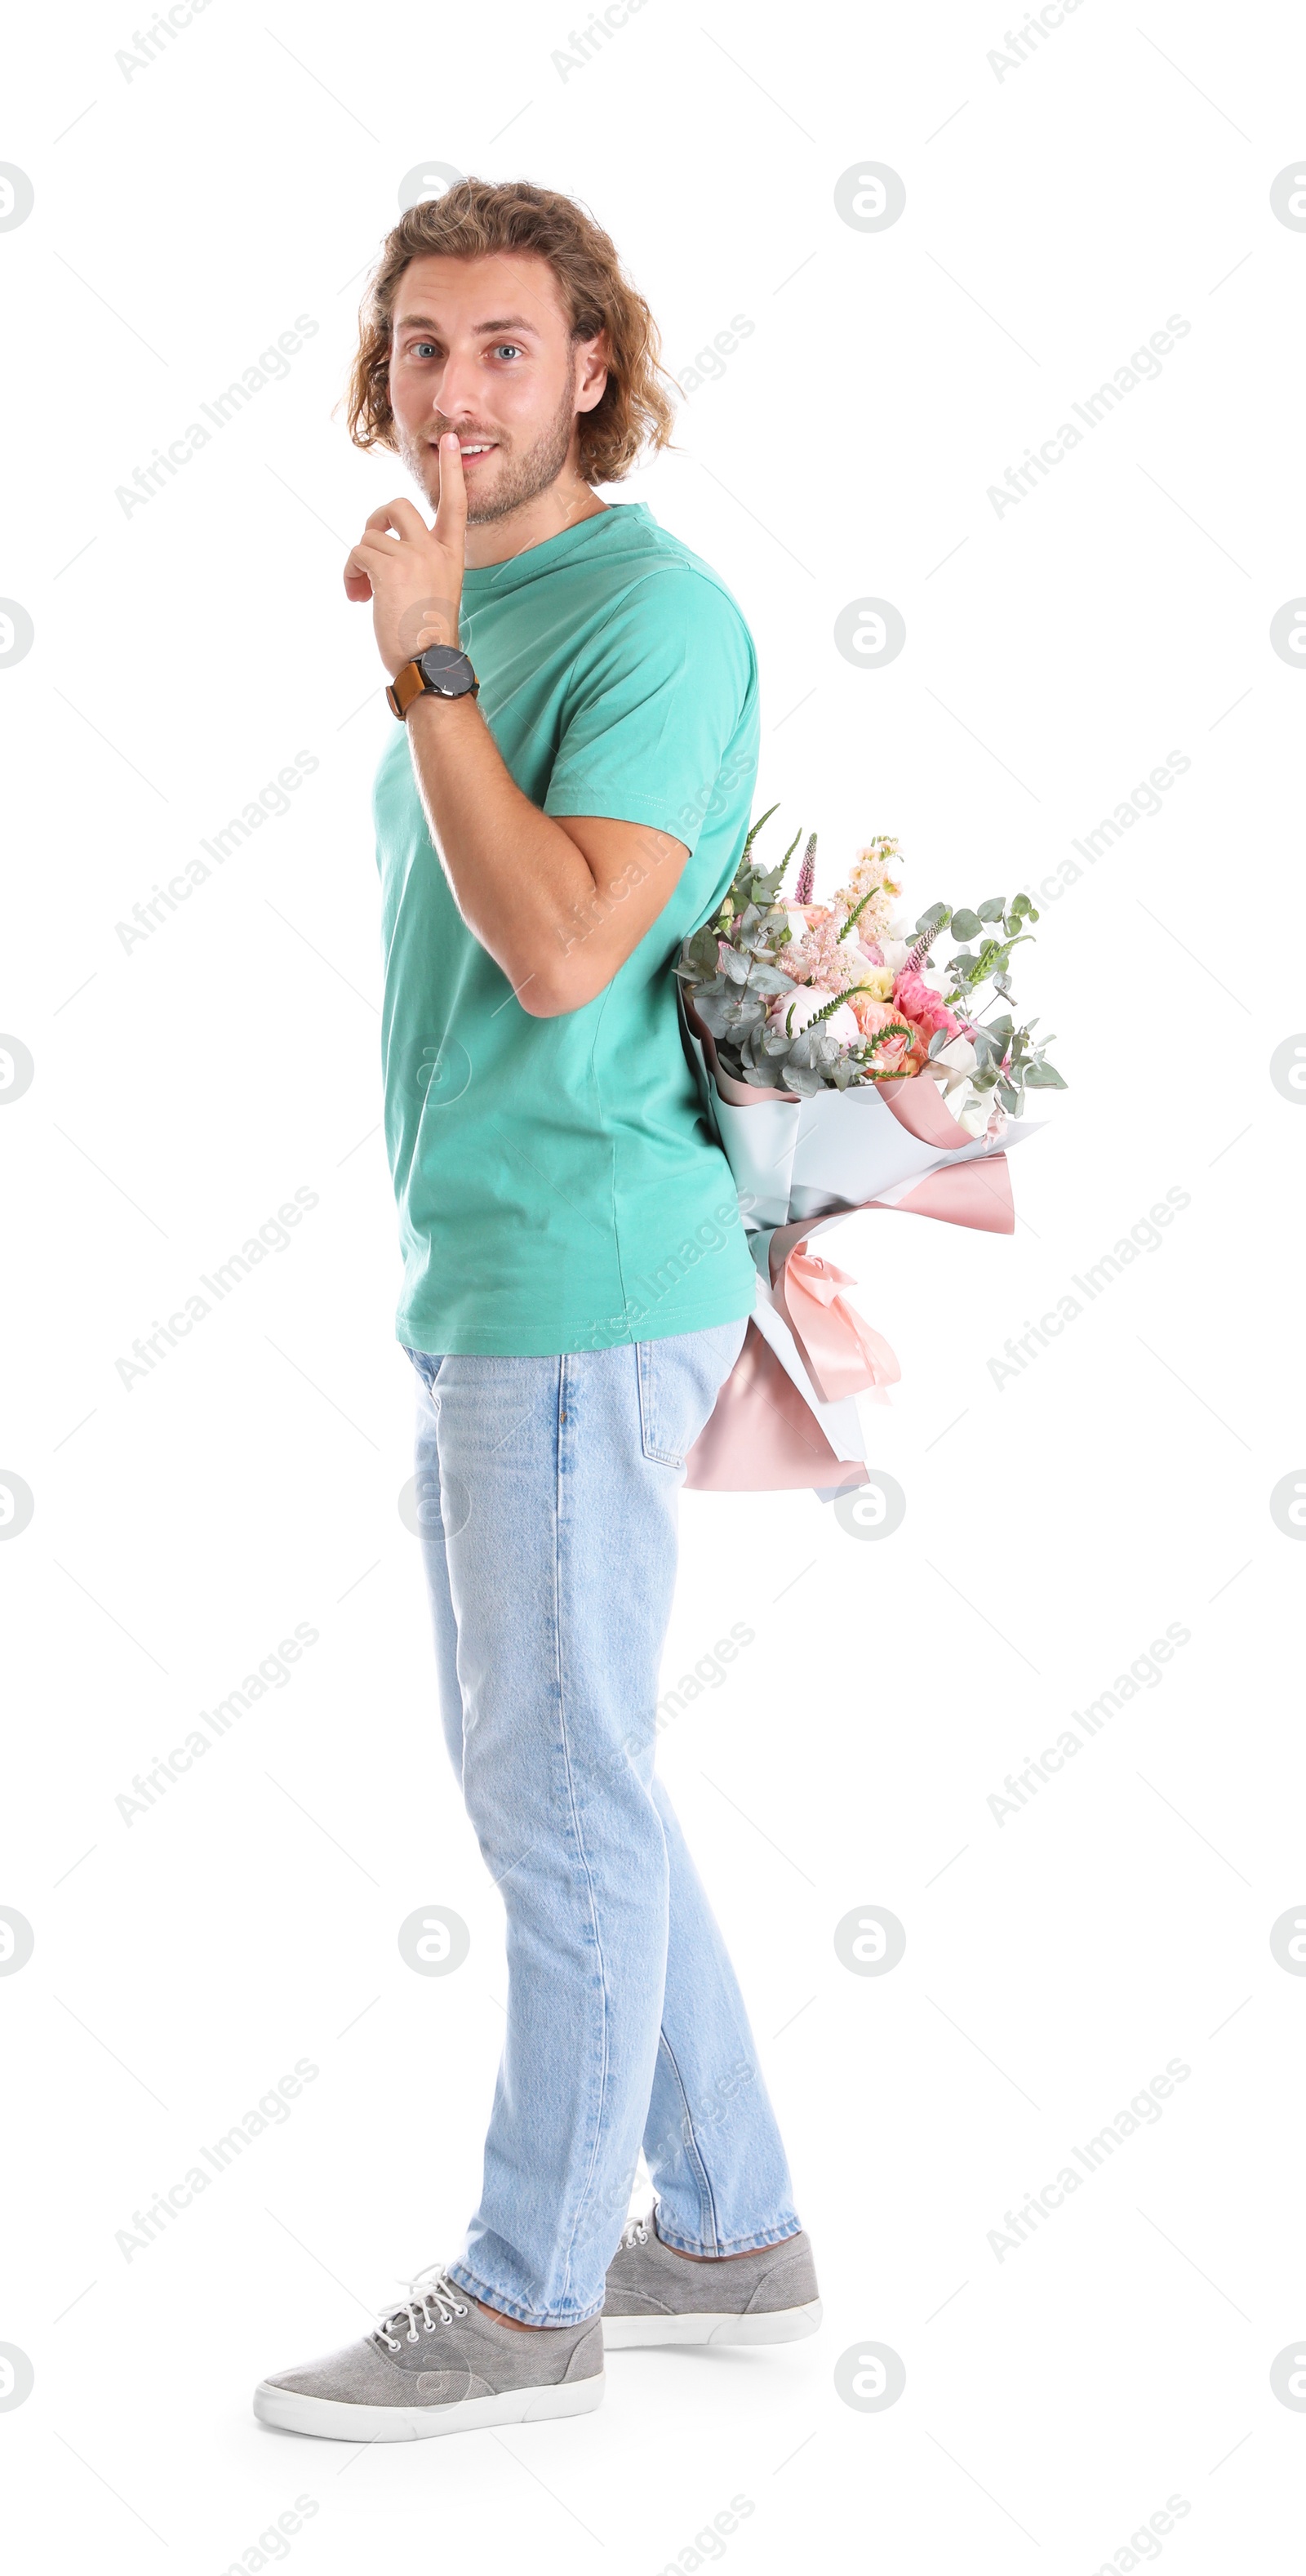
<point x="558" y="904"/>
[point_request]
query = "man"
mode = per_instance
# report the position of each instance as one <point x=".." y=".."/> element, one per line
<point x="561" y="802"/>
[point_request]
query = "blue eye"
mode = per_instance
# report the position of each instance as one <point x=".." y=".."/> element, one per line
<point x="422" y="349"/>
<point x="507" y="348"/>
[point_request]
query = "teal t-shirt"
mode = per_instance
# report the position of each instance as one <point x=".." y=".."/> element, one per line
<point x="558" y="1186"/>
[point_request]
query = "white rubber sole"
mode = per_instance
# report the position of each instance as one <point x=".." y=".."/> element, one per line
<point x="334" y="2421"/>
<point x="780" y="2325"/>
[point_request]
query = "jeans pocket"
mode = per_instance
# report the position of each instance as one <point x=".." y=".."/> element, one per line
<point x="679" y="1381"/>
<point x="428" y="1365"/>
<point x="656" y="1432"/>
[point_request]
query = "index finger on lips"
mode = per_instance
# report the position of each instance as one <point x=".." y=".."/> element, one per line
<point x="451" y="516"/>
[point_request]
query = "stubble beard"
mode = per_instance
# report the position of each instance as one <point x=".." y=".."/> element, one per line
<point x="521" y="478"/>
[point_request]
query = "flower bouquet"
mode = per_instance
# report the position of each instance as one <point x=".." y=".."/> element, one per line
<point x="841" y="1069"/>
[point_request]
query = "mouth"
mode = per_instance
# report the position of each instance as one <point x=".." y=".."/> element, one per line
<point x="475" y="452"/>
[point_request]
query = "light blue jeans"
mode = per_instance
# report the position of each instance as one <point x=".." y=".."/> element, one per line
<point x="547" y="1498"/>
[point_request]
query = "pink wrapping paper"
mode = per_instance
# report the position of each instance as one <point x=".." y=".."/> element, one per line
<point x="762" y="1438"/>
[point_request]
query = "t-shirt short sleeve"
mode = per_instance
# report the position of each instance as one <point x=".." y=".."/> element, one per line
<point x="656" y="706"/>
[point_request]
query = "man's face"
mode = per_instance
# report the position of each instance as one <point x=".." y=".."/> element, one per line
<point x="484" y="347"/>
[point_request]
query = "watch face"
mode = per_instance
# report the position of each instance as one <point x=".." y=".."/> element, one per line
<point x="447" y="670"/>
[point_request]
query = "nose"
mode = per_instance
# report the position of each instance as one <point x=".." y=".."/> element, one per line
<point x="454" y="392"/>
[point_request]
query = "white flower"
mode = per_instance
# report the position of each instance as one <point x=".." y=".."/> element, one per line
<point x="958" y="1056"/>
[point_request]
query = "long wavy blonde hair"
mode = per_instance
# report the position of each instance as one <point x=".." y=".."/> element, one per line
<point x="473" y="217"/>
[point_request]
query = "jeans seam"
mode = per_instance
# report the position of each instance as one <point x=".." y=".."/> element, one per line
<point x="461" y="1765"/>
<point x="689" y="2140"/>
<point x="587" y="2185"/>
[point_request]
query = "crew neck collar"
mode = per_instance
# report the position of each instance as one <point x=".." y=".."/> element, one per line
<point x="480" y="581"/>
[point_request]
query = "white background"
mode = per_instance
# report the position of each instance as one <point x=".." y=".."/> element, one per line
<point x="1056" y="1961"/>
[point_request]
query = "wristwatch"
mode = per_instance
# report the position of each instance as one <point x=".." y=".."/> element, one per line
<point x="440" y="672"/>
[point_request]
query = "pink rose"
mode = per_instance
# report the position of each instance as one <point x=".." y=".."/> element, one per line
<point x="919" y="1002"/>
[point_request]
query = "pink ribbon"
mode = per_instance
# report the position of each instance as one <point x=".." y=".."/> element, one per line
<point x="844" y="1354"/>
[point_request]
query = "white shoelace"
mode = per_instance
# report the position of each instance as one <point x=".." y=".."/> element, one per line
<point x="429" y="2288"/>
<point x="635" y="2233"/>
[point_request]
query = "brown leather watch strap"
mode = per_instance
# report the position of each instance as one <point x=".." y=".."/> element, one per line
<point x="406" y="685"/>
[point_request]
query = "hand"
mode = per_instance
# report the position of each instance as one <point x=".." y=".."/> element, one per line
<point x="413" y="574"/>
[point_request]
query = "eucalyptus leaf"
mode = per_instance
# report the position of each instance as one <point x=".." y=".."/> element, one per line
<point x="726" y="1018"/>
<point x="712" y="1012"/>
<point x="1045" y="1077"/>
<point x="966" y="925"/>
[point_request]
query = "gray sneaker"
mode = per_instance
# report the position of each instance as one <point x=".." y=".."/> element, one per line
<point x="438" y="2364"/>
<point x="655" y="2296"/>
